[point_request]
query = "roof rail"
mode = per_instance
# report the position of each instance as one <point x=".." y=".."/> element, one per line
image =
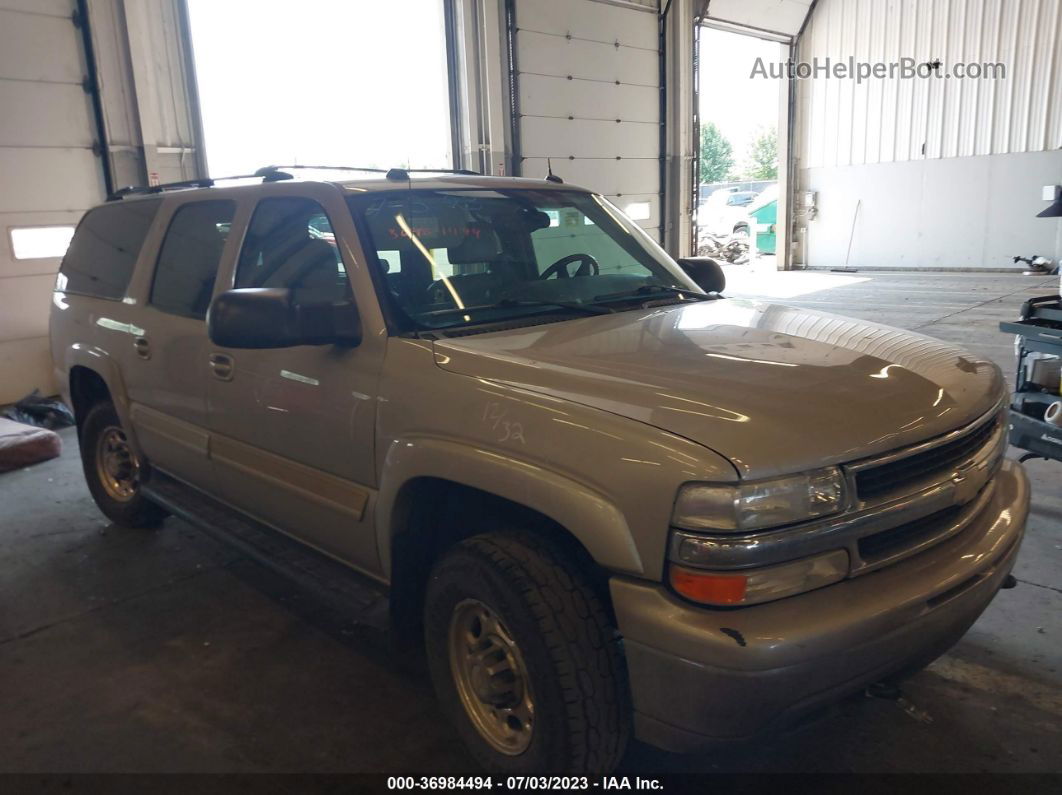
<point x="403" y="173"/>
<point x="202" y="182"/>
<point x="130" y="190"/>
<point x="275" y="173"/>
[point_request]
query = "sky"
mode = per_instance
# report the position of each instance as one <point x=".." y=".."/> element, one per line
<point x="321" y="82"/>
<point x="738" y="104"/>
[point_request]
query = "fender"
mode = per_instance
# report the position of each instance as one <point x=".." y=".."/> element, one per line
<point x="587" y="514"/>
<point x="104" y="365"/>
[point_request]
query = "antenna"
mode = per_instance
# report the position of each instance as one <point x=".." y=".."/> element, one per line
<point x="550" y="176"/>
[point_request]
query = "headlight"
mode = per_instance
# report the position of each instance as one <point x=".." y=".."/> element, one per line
<point x="758" y="504"/>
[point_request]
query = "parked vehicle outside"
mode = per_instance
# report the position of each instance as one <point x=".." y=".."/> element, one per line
<point x="724" y="213"/>
<point x="607" y="500"/>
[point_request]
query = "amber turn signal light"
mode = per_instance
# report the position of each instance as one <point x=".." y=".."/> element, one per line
<point x="709" y="587"/>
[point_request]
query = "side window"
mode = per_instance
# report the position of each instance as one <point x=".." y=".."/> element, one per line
<point x="188" y="259"/>
<point x="290" y="244"/>
<point x="105" y="247"/>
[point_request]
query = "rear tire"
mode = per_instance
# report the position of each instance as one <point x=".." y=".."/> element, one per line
<point x="112" y="470"/>
<point x="524" y="658"/>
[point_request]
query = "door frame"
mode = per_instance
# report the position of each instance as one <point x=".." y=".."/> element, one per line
<point x="786" y="126"/>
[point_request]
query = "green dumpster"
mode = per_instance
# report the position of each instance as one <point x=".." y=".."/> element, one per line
<point x="763" y="220"/>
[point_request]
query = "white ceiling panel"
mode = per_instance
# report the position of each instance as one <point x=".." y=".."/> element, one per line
<point x="784" y="17"/>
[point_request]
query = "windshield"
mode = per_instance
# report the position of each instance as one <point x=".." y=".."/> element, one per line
<point x="455" y="257"/>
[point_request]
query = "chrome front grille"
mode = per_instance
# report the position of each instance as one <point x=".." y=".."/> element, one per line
<point x="899" y="473"/>
<point x="878" y="545"/>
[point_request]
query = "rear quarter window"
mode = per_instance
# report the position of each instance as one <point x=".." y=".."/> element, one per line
<point x="105" y="247"/>
<point x="188" y="260"/>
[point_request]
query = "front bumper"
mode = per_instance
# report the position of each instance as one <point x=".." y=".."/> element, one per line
<point x="700" y="676"/>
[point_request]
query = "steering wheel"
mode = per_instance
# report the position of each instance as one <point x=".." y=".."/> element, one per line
<point x="589" y="267"/>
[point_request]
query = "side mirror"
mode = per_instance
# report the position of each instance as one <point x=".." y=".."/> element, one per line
<point x="268" y="317"/>
<point x="705" y="273"/>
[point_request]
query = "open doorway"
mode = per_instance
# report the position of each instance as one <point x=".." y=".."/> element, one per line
<point x="326" y="83"/>
<point x="742" y="110"/>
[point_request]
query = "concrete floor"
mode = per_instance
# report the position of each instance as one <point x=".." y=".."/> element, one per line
<point x="141" y="651"/>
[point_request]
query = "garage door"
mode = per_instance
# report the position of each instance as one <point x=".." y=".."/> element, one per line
<point x="50" y="176"/>
<point x="586" y="84"/>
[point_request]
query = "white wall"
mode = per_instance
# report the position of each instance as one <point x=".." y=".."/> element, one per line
<point x="948" y="171"/>
<point x="959" y="212"/>
<point x="49" y="173"/>
<point x="50" y="168"/>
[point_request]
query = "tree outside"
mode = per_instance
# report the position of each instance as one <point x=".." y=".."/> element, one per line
<point x="717" y="155"/>
<point x="763" y="156"/>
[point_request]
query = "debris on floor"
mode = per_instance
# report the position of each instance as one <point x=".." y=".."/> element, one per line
<point x="44" y="412"/>
<point x="22" y="445"/>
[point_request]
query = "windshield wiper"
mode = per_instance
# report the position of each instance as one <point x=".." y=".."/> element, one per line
<point x="506" y="303"/>
<point x="650" y="289"/>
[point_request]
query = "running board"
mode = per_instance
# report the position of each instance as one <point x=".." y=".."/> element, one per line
<point x="357" y="597"/>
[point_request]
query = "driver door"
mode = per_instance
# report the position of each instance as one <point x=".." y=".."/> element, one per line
<point x="293" y="428"/>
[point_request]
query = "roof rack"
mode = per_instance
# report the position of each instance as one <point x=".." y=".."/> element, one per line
<point x="202" y="182"/>
<point x="277" y="174"/>
<point x="131" y="190"/>
<point x="403" y="173"/>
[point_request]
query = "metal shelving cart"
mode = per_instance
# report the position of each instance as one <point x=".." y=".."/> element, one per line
<point x="1039" y="331"/>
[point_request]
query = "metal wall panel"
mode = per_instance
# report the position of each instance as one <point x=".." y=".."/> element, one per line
<point x="587" y="85"/>
<point x="845" y="122"/>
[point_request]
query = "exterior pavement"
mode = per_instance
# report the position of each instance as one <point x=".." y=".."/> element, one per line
<point x="159" y="651"/>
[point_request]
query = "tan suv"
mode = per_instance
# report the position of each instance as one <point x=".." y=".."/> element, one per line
<point x="609" y="500"/>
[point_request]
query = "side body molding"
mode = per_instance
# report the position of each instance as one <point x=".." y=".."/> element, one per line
<point x="591" y="518"/>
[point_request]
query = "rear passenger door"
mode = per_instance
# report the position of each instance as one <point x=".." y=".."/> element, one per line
<point x="292" y="428"/>
<point x="167" y="375"/>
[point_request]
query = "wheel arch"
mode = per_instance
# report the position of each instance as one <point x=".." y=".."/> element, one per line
<point x="93" y="375"/>
<point x="437" y="492"/>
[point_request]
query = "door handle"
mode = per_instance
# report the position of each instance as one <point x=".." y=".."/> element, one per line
<point x="142" y="347"/>
<point x="223" y="365"/>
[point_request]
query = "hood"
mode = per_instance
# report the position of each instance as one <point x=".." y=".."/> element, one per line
<point x="773" y="388"/>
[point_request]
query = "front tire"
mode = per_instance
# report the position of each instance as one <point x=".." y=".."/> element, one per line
<point x="524" y="658"/>
<point x="113" y="471"/>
